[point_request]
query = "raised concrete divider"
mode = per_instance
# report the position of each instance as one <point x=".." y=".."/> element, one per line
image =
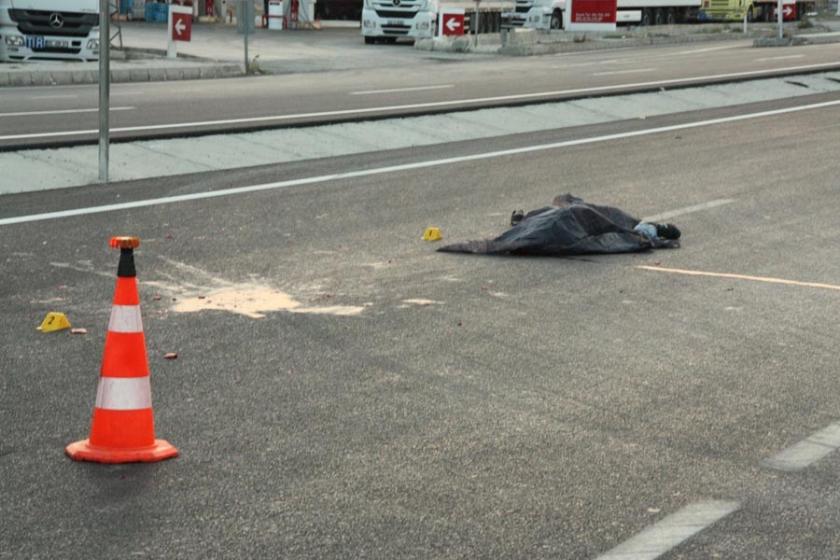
<point x="144" y="70"/>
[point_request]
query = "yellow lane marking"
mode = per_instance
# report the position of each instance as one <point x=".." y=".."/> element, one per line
<point x="767" y="279"/>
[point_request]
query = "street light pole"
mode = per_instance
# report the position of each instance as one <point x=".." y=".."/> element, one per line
<point x="104" y="87"/>
<point x="780" y="15"/>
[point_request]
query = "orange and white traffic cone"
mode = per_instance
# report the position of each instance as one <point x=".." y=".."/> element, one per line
<point x="122" y="429"/>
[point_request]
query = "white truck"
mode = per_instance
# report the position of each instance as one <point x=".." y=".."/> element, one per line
<point x="388" y="20"/>
<point x="549" y="14"/>
<point x="49" y="29"/>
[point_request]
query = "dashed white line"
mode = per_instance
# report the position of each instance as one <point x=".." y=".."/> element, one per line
<point x="671" y="531"/>
<point x="707" y="49"/>
<point x="808" y="451"/>
<point x="687" y="210"/>
<point x="55" y="97"/>
<point x="617" y="72"/>
<point x="449" y="103"/>
<point x="787" y="57"/>
<point x="60" y="112"/>
<point x="404" y="167"/>
<point x="402" y="90"/>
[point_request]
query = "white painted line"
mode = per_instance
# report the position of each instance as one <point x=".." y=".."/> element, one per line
<point x="55" y="97"/>
<point x="617" y="72"/>
<point x="61" y="112"/>
<point x="430" y="105"/>
<point x="406" y="166"/>
<point x="765" y="279"/>
<point x="687" y="210"/>
<point x="806" y="452"/>
<point x="132" y="92"/>
<point x="401" y="90"/>
<point x="780" y="57"/>
<point x="708" y="49"/>
<point x="673" y="530"/>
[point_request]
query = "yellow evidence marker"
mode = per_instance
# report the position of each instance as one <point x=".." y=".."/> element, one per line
<point x="54" y="321"/>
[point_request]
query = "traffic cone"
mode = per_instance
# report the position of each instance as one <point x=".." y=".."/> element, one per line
<point x="122" y="429"/>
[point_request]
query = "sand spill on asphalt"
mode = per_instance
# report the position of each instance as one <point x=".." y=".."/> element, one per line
<point x="255" y="301"/>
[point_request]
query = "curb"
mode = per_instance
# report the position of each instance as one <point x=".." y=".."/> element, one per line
<point x="120" y="75"/>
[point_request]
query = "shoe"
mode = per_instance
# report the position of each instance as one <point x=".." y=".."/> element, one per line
<point x="516" y="217"/>
<point x="668" y="231"/>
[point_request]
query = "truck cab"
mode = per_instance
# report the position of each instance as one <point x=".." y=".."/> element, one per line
<point x="49" y="29"/>
<point x="536" y="14"/>
<point x="389" y="20"/>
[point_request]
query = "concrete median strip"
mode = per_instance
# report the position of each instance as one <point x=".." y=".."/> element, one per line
<point x="42" y="169"/>
<point x="405" y="167"/>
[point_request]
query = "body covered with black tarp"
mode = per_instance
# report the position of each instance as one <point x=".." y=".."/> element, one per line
<point x="569" y="226"/>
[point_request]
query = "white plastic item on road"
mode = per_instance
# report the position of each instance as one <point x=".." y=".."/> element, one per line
<point x="275" y="14"/>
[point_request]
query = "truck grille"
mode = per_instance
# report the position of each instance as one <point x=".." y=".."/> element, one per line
<point x="395" y="14"/>
<point x="44" y="22"/>
<point x="523" y="7"/>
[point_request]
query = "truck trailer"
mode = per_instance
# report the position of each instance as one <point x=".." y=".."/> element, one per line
<point x="548" y="14"/>
<point x="49" y="29"/>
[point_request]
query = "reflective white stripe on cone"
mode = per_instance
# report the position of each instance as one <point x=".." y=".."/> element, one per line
<point x="124" y="393"/>
<point x="125" y="319"/>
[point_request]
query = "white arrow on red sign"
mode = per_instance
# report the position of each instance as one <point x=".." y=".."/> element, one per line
<point x="179" y="26"/>
<point x="452" y="24"/>
<point x="787" y="11"/>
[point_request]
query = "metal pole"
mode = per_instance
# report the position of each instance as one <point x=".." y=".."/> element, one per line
<point x="477" y="19"/>
<point x="247" y="24"/>
<point x="780" y="15"/>
<point x="104" y="87"/>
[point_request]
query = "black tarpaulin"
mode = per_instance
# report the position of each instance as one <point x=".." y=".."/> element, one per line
<point x="569" y="227"/>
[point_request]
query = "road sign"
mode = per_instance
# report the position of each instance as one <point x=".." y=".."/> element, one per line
<point x="452" y="22"/>
<point x="594" y="11"/>
<point x="789" y="12"/>
<point x="181" y="26"/>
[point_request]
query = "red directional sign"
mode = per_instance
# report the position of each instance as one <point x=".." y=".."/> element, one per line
<point x="789" y="12"/>
<point x="594" y="11"/>
<point x="452" y="23"/>
<point x="181" y="26"/>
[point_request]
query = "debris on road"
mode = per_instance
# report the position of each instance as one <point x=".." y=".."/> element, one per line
<point x="571" y="226"/>
<point x="54" y="321"/>
<point x="432" y="234"/>
<point x="78" y="330"/>
<point x="170" y="356"/>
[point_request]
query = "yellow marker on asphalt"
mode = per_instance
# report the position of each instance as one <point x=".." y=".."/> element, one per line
<point x="432" y="234"/>
<point x="54" y="321"/>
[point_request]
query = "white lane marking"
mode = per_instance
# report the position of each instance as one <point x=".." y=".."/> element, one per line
<point x="405" y="167"/>
<point x="113" y="93"/>
<point x="688" y="210"/>
<point x="617" y="72"/>
<point x="707" y="49"/>
<point x="61" y="112"/>
<point x="808" y="451"/>
<point x="787" y="57"/>
<point x="671" y="531"/>
<point x="344" y="112"/>
<point x="55" y="97"/>
<point x="765" y="279"/>
<point x="124" y="393"/>
<point x="400" y="90"/>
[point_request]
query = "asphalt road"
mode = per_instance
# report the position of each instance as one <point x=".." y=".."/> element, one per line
<point x="466" y="407"/>
<point x="60" y="115"/>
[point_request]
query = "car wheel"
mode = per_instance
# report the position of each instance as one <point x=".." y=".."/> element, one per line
<point x="370" y="40"/>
